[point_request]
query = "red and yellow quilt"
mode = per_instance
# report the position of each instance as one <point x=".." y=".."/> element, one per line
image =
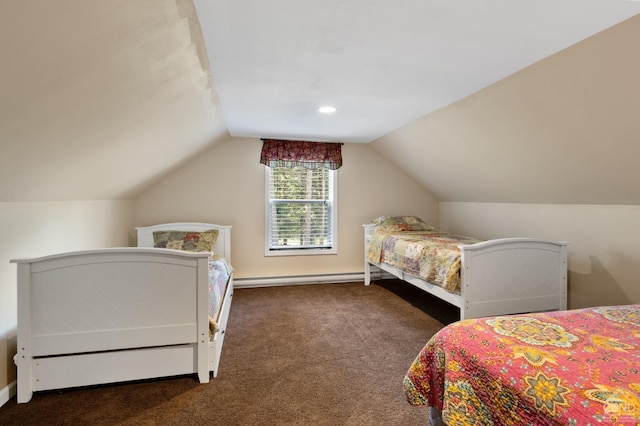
<point x="429" y="255"/>
<point x="579" y="367"/>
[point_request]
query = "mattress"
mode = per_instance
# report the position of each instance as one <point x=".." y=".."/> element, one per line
<point x="219" y="276"/>
<point x="432" y="256"/>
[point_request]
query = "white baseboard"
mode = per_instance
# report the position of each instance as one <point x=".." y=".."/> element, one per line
<point x="7" y="392"/>
<point x="303" y="279"/>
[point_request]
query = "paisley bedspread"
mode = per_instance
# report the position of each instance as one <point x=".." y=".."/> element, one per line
<point x="429" y="255"/>
<point x="219" y="273"/>
<point x="579" y="367"/>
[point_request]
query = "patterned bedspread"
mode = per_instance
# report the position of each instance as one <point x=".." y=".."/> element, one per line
<point x="219" y="273"/>
<point x="429" y="255"/>
<point x="578" y="367"/>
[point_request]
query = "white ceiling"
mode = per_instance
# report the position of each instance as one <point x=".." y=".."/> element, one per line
<point x="382" y="64"/>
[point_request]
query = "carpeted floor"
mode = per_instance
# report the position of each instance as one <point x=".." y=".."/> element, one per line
<point x="330" y="354"/>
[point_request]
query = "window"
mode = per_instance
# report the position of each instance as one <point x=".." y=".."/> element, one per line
<point x="300" y="211"/>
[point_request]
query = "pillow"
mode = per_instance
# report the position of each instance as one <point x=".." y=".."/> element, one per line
<point x="402" y="223"/>
<point x="186" y="240"/>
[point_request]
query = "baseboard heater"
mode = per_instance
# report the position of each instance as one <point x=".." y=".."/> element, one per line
<point x="305" y="279"/>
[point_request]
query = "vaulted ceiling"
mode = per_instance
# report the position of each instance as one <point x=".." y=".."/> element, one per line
<point x="101" y="98"/>
<point x="381" y="64"/>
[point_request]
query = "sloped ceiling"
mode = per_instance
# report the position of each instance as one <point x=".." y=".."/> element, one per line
<point x="380" y="63"/>
<point x="100" y="98"/>
<point x="562" y="131"/>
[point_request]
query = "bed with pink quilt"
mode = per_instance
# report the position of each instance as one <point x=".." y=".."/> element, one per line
<point x="482" y="278"/>
<point x="577" y="367"/>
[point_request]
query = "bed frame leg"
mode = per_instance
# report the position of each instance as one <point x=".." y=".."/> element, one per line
<point x="23" y="359"/>
<point x="368" y="231"/>
<point x="24" y="391"/>
<point x="367" y="273"/>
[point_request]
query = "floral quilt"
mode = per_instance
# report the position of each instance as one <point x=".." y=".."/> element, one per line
<point x="579" y="367"/>
<point x="219" y="273"/>
<point x="429" y="255"/>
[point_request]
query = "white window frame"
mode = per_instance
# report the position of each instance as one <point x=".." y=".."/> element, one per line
<point x="300" y="251"/>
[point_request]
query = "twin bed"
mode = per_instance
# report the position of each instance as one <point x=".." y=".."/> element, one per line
<point x="122" y="314"/>
<point x="482" y="278"/>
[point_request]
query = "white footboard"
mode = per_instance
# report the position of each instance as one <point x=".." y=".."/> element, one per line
<point x="111" y="315"/>
<point x="513" y="275"/>
<point x="222" y="248"/>
<point x="498" y="277"/>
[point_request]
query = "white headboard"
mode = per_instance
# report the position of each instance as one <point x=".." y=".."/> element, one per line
<point x="223" y="244"/>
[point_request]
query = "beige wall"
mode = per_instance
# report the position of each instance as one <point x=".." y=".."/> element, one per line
<point x="604" y="251"/>
<point x="226" y="186"/>
<point x="39" y="228"/>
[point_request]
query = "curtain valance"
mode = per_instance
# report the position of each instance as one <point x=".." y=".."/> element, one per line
<point x="311" y="155"/>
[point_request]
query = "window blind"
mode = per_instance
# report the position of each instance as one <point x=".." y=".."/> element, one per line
<point x="300" y="208"/>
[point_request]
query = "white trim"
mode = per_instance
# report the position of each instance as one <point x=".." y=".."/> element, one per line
<point x="301" y="279"/>
<point x="7" y="392"/>
<point x="302" y="252"/>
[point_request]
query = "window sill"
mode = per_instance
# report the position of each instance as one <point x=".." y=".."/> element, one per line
<point x="301" y="252"/>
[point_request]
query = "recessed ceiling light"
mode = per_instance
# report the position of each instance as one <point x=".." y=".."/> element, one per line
<point x="327" y="109"/>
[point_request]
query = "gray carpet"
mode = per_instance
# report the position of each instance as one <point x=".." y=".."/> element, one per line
<point x="331" y="354"/>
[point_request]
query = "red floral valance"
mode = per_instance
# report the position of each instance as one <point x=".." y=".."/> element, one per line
<point x="311" y="155"/>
